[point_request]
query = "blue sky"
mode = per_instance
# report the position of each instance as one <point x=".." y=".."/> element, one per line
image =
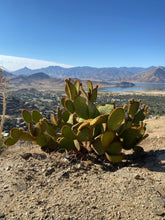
<point x="101" y="33"/>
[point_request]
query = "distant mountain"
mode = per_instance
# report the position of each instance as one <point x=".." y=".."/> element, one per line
<point x="29" y="79"/>
<point x="156" y="75"/>
<point x="38" y="76"/>
<point x="7" y="74"/>
<point x="23" y="71"/>
<point x="113" y="73"/>
<point x="136" y="69"/>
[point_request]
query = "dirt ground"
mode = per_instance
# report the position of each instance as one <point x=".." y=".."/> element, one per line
<point x="34" y="185"/>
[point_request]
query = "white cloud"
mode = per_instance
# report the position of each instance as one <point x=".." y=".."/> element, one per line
<point x="12" y="63"/>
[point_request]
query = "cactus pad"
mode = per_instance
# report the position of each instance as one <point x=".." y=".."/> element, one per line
<point x="107" y="138"/>
<point x="114" y="148"/>
<point x="26" y="136"/>
<point x="97" y="146"/>
<point x="81" y="107"/>
<point x="116" y="118"/>
<point x="10" y="141"/>
<point x="106" y="109"/>
<point x="36" y="116"/>
<point x="26" y="116"/>
<point x="15" y="133"/>
<point x="68" y="133"/>
<point x="69" y="105"/>
<point x="133" y="107"/>
<point x="114" y="158"/>
<point x="66" y="145"/>
<point x="84" y="134"/>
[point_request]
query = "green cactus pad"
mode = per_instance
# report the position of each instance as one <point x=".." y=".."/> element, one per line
<point x="51" y="129"/>
<point x="42" y="140"/>
<point x="107" y="138"/>
<point x="99" y="120"/>
<point x="86" y="123"/>
<point x="31" y="128"/>
<point x="133" y="108"/>
<point x="63" y="99"/>
<point x="83" y="92"/>
<point x="114" y="148"/>
<point x="26" y="116"/>
<point x="97" y="146"/>
<point x="84" y="134"/>
<point x="70" y="90"/>
<point x="68" y="133"/>
<point x="98" y="129"/>
<point x="10" y="141"/>
<point x="65" y="116"/>
<point x="37" y="130"/>
<point x="107" y="109"/>
<point x="43" y="125"/>
<point x="36" y="116"/>
<point x="93" y="96"/>
<point x="15" y="133"/>
<point x="123" y="127"/>
<point x="66" y="145"/>
<point x="116" y="118"/>
<point x="138" y="149"/>
<point x="59" y="115"/>
<point x="128" y="137"/>
<point x="140" y="135"/>
<point x="93" y="111"/>
<point x="114" y="158"/>
<point x="52" y="145"/>
<point x="81" y="107"/>
<point x="69" y="106"/>
<point x="140" y="116"/>
<point x="26" y="136"/>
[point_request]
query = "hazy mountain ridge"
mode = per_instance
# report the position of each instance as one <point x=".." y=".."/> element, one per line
<point x="53" y="73"/>
<point x="86" y="72"/>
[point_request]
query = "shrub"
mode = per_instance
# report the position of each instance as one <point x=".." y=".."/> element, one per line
<point x="80" y="124"/>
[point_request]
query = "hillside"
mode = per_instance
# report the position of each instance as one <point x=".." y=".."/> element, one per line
<point x="156" y="75"/>
<point x="35" y="185"/>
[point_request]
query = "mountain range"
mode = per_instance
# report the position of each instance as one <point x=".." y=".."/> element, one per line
<point x="131" y="74"/>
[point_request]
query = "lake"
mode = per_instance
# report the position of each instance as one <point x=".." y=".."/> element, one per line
<point x="137" y="87"/>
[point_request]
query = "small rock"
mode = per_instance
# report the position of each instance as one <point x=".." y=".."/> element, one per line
<point x="12" y="194"/>
<point x="26" y="156"/>
<point x="66" y="217"/>
<point x="2" y="215"/>
<point x="159" y="212"/>
<point x="8" y="168"/>
<point x="39" y="156"/>
<point x="159" y="201"/>
<point x="138" y="177"/>
<point x="49" y="171"/>
<point x="65" y="175"/>
<point x="161" y="190"/>
<point x="6" y="187"/>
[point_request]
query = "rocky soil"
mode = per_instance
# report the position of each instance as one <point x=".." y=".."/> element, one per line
<point x="34" y="185"/>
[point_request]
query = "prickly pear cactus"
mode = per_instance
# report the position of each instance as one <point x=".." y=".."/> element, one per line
<point x="106" y="130"/>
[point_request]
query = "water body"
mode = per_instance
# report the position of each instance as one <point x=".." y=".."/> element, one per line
<point x="137" y="87"/>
